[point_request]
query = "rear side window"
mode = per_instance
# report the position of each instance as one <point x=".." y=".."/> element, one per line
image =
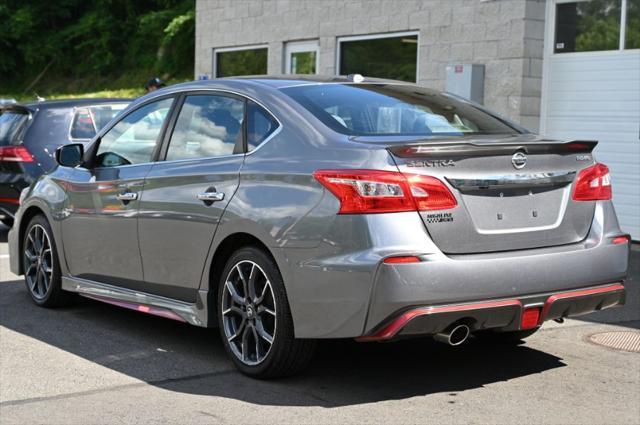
<point x="208" y="126"/>
<point x="260" y="125"/>
<point x="394" y="110"/>
<point x="87" y="121"/>
<point x="12" y="127"/>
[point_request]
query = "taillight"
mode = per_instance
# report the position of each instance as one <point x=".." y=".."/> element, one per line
<point x="375" y="191"/>
<point x="15" y="154"/>
<point x="593" y="184"/>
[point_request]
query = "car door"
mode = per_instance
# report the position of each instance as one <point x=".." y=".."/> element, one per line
<point x="99" y="227"/>
<point x="186" y="194"/>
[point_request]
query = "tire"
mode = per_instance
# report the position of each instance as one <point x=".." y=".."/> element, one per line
<point x="246" y="326"/>
<point x="42" y="273"/>
<point x="511" y="337"/>
<point x="7" y="222"/>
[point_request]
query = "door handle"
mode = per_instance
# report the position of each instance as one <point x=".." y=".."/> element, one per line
<point x="127" y="196"/>
<point x="210" y="196"/>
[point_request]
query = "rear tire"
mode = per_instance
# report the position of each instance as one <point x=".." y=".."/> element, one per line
<point x="255" y="320"/>
<point x="41" y="266"/>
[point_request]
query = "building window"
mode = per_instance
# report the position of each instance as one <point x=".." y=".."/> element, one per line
<point x="632" y="31"/>
<point x="393" y="56"/>
<point x="597" y="25"/>
<point x="301" y="57"/>
<point x="240" y="61"/>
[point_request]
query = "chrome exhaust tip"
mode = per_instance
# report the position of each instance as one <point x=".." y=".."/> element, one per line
<point x="453" y="335"/>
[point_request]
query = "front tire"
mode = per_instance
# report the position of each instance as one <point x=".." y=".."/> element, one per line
<point x="41" y="266"/>
<point x="254" y="318"/>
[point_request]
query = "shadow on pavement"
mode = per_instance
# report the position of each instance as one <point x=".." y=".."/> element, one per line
<point x="187" y="359"/>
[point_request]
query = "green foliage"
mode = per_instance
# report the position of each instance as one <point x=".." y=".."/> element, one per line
<point x="242" y="62"/>
<point x="87" y="46"/>
<point x="632" y="35"/>
<point x="598" y="25"/>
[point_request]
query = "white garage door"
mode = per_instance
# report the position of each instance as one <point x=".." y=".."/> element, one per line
<point x="595" y="95"/>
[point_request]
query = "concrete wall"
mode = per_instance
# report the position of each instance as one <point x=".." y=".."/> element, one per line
<point x="504" y="35"/>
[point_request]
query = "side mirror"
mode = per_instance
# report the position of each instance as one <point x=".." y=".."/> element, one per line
<point x="70" y="155"/>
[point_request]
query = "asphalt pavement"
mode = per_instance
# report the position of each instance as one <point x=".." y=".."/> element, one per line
<point x="96" y="363"/>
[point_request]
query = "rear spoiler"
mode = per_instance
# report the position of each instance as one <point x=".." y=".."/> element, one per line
<point x="436" y="149"/>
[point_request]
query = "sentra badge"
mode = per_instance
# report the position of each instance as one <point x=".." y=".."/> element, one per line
<point x="435" y="163"/>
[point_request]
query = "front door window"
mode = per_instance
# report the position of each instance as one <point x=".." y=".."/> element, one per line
<point x="134" y="138"/>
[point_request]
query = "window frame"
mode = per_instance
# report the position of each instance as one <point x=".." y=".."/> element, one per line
<point x="92" y="151"/>
<point x="301" y="46"/>
<point x="551" y="33"/>
<point x="217" y="50"/>
<point x="377" y="36"/>
<point x="177" y="107"/>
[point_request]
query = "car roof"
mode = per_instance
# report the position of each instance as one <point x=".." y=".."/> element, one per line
<point x="282" y="81"/>
<point x="68" y="103"/>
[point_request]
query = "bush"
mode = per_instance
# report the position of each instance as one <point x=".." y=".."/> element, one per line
<point x="75" y="45"/>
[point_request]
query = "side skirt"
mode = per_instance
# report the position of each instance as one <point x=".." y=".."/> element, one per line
<point x="194" y="314"/>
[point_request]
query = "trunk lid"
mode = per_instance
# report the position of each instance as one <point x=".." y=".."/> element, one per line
<point x="513" y="192"/>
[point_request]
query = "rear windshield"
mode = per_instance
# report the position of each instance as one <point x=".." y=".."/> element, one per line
<point x="12" y="126"/>
<point x="88" y="120"/>
<point x="394" y="110"/>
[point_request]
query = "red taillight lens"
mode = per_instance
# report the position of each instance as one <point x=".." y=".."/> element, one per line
<point x="430" y="193"/>
<point x="619" y="240"/>
<point x="593" y="184"/>
<point x="15" y="154"/>
<point x="375" y="191"/>
<point x="530" y="318"/>
<point x="402" y="259"/>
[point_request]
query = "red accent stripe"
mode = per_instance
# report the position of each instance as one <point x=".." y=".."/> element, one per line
<point x="10" y="201"/>
<point x="401" y="321"/>
<point x="616" y="287"/>
<point x="167" y="314"/>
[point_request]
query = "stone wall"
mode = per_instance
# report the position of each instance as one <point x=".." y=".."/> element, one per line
<point x="504" y="35"/>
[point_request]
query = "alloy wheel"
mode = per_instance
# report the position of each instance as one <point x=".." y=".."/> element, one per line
<point x="249" y="312"/>
<point x="38" y="259"/>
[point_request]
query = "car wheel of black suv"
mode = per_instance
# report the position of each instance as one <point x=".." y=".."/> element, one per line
<point x="41" y="266"/>
<point x="254" y="318"/>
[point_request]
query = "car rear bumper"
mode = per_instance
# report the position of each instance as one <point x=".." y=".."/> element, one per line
<point x="8" y="208"/>
<point x="446" y="280"/>
<point x="505" y="314"/>
<point x="11" y="185"/>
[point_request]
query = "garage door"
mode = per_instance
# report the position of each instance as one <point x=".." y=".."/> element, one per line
<point x="591" y="90"/>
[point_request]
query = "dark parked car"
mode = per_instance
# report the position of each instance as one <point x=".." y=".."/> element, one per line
<point x="30" y="134"/>
<point x="287" y="210"/>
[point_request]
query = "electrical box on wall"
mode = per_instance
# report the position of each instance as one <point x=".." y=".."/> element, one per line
<point x="466" y="80"/>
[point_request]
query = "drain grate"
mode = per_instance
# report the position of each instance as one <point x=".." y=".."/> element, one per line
<point x="624" y="340"/>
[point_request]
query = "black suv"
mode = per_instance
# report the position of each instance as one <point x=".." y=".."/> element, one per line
<point x="30" y="134"/>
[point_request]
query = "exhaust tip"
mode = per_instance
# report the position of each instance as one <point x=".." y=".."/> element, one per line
<point x="454" y="335"/>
